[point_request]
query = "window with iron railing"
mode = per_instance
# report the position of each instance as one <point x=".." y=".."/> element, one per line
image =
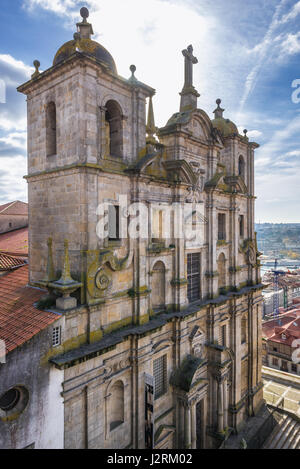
<point x="160" y="376"/>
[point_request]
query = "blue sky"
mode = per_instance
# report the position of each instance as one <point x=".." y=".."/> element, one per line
<point x="249" y="55"/>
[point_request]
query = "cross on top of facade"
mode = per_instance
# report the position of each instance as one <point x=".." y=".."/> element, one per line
<point x="188" y="94"/>
<point x="189" y="61"/>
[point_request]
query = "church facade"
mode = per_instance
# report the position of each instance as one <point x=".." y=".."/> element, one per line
<point x="160" y="336"/>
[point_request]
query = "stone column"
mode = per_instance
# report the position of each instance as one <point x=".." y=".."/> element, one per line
<point x="102" y="135"/>
<point x="187" y="426"/>
<point x="204" y="421"/>
<point x="225" y="391"/>
<point x="220" y="405"/>
<point x="194" y="425"/>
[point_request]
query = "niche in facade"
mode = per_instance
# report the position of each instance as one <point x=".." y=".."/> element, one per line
<point x="222" y="270"/>
<point x="158" y="286"/>
<point x="116" y="405"/>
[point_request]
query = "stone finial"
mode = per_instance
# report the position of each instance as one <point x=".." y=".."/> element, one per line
<point x="37" y="65"/>
<point x="188" y="94"/>
<point x="150" y="127"/>
<point x="50" y="274"/>
<point x="84" y="13"/>
<point x="133" y="78"/>
<point x="84" y="28"/>
<point x="218" y="112"/>
<point x="66" y="285"/>
<point x="66" y="274"/>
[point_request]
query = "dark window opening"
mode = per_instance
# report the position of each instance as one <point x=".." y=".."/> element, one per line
<point x="223" y="336"/>
<point x="10" y="399"/>
<point x="51" y="129"/>
<point x="241" y="223"/>
<point x="160" y="376"/>
<point x="221" y="227"/>
<point x="114" y="129"/>
<point x="113" y="223"/>
<point x="241" y="167"/>
<point x="193" y="276"/>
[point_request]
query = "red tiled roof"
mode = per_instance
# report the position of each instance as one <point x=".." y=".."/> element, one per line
<point x="15" y="242"/>
<point x="19" y="319"/>
<point x="10" y="262"/>
<point x="14" y="208"/>
<point x="288" y="327"/>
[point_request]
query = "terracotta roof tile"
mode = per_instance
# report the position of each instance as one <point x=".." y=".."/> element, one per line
<point x="289" y="326"/>
<point x="14" y="208"/>
<point x="19" y="319"/>
<point x="9" y="262"/>
<point x="15" y="242"/>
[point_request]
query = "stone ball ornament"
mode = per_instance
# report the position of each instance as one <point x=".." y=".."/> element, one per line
<point x="84" y="13"/>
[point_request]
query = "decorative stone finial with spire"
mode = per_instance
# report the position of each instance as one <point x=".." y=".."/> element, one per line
<point x="84" y="28"/>
<point x="188" y="94"/>
<point x="218" y="112"/>
<point x="150" y="128"/>
<point x="66" y="285"/>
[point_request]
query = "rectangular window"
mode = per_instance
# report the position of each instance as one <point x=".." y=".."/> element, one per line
<point x="193" y="276"/>
<point x="223" y="336"/>
<point x="242" y="226"/>
<point x="284" y="366"/>
<point x="160" y="376"/>
<point x="56" y="336"/>
<point x="221" y="227"/>
<point x="275" y="361"/>
<point x="113" y="222"/>
<point x="294" y="368"/>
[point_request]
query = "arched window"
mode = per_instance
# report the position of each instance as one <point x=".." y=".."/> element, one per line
<point x="116" y="407"/>
<point x="51" y="129"/>
<point x="158" y="286"/>
<point x="241" y="167"/>
<point x="243" y="330"/>
<point x="222" y="271"/>
<point x="114" y="129"/>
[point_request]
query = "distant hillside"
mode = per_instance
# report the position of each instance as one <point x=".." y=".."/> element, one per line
<point x="282" y="239"/>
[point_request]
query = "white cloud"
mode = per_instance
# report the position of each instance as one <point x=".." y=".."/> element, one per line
<point x="262" y="51"/>
<point x="293" y="13"/>
<point x="12" y="184"/>
<point x="15" y="139"/>
<point x="291" y="44"/>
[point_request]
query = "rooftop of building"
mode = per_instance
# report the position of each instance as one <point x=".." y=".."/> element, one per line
<point x="284" y="329"/>
<point x="19" y="318"/>
<point x="15" y="243"/>
<point x="14" y="208"/>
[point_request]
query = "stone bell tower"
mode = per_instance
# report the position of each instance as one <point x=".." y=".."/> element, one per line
<point x="82" y="118"/>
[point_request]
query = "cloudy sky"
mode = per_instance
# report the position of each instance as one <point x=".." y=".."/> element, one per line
<point x="249" y="56"/>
